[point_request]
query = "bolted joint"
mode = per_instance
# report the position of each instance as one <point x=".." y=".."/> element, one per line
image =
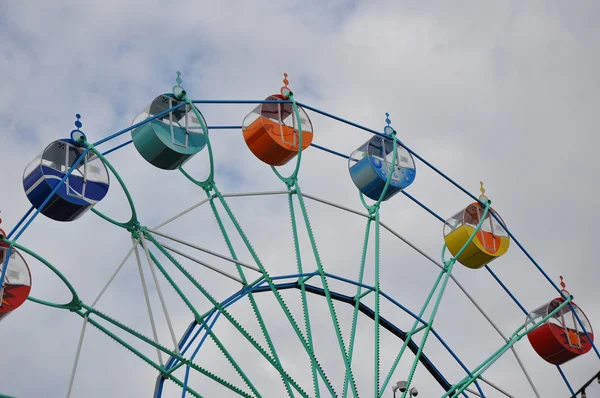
<point x="208" y="188"/>
<point x="292" y="183"/>
<point x="373" y="210"/>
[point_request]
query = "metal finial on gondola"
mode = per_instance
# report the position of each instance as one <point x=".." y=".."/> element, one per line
<point x="388" y="129"/>
<point x="285" y="90"/>
<point x="78" y="136"/>
<point x="178" y="91"/>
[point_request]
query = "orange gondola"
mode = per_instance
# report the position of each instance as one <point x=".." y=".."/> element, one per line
<point x="271" y="130"/>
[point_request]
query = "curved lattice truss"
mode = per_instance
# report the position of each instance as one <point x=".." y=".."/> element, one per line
<point x="240" y="333"/>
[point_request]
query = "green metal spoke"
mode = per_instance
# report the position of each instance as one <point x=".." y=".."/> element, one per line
<point x="72" y="305"/>
<point x="457" y="389"/>
<point x="294" y="176"/>
<point x="358" y="296"/>
<point x="133" y="220"/>
<point x="226" y="314"/>
<point x="149" y="341"/>
<point x="326" y="289"/>
<point x="255" y="309"/>
<point x="443" y="275"/>
<point x="377" y="299"/>
<point x="276" y="293"/>
<point x="301" y="282"/>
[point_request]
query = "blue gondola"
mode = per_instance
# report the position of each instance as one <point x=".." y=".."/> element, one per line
<point x="172" y="139"/>
<point x="370" y="164"/>
<point x="86" y="186"/>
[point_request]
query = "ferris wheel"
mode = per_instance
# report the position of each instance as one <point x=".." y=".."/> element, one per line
<point x="332" y="322"/>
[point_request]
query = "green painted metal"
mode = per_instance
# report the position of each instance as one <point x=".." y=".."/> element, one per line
<point x="255" y="309"/>
<point x="358" y="296"/>
<point x="302" y="284"/>
<point x="458" y="388"/>
<point x="274" y="290"/>
<point x="445" y="275"/>
<point x="227" y="315"/>
<point x="321" y="271"/>
<point x="72" y="305"/>
<point x="294" y="176"/>
<point x="152" y="135"/>
<point x="133" y="221"/>
<point x="373" y="216"/>
<point x="208" y="182"/>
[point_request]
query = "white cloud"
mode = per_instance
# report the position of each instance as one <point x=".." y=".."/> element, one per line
<point x="503" y="93"/>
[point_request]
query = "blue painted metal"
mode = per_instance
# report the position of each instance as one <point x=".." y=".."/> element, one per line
<point x="507" y="290"/>
<point x="117" y="147"/>
<point x="565" y="379"/>
<point x="259" y="287"/>
<point x="224" y="127"/>
<point x="12" y="231"/>
<point x="517" y="302"/>
<point x="121" y="132"/>
<point x="433" y="213"/>
<point x="383" y="135"/>
<point x="584" y="330"/>
<point x="462" y="365"/>
<point x="187" y="370"/>
<point x="263" y="101"/>
<point x="160" y="380"/>
<point x="330" y="151"/>
<point x="403" y="191"/>
<point x="225" y="303"/>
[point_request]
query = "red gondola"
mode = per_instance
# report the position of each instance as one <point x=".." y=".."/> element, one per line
<point x="561" y="338"/>
<point x="17" y="280"/>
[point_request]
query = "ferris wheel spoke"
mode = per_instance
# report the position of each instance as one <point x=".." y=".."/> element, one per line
<point x="76" y="360"/>
<point x="377" y="293"/>
<point x="326" y="288"/>
<point x="212" y="268"/>
<point x="226" y="314"/>
<point x="183" y="213"/>
<point x="519" y="333"/>
<point x="202" y="249"/>
<point x="302" y="281"/>
<point x="471" y="299"/>
<point x="147" y="340"/>
<point x="357" y="304"/>
<point x="113" y="276"/>
<point x="279" y="298"/>
<point x="494" y="386"/>
<point x="255" y="308"/>
<point x="443" y="277"/>
<point x="454" y="279"/>
<point x="148" y="305"/>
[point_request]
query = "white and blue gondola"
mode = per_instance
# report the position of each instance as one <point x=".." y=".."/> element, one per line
<point x="86" y="186"/>
<point x="370" y="165"/>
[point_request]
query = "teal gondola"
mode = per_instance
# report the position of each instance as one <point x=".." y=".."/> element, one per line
<point x="172" y="139"/>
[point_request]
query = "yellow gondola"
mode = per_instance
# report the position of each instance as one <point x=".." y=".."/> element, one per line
<point x="490" y="242"/>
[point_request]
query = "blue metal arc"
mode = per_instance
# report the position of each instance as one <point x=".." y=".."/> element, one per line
<point x="108" y="138"/>
<point x="260" y="288"/>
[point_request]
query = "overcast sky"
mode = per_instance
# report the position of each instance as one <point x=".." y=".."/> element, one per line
<point x="505" y="92"/>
